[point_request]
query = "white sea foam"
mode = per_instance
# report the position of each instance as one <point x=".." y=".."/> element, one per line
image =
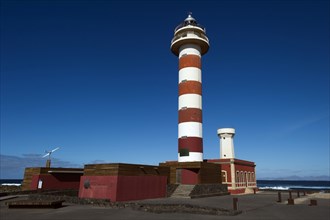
<point x="275" y="187"/>
<point x="294" y="187"/>
<point x="11" y="184"/>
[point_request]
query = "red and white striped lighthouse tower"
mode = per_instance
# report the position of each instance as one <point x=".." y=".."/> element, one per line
<point x="189" y="44"/>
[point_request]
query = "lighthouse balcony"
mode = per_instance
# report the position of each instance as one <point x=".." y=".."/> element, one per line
<point x="190" y="37"/>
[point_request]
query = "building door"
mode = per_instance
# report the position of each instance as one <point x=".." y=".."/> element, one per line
<point x="178" y="176"/>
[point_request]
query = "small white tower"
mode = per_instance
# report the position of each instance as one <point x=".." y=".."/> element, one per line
<point x="226" y="136"/>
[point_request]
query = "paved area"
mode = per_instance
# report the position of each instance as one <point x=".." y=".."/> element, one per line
<point x="7" y="197"/>
<point x="260" y="206"/>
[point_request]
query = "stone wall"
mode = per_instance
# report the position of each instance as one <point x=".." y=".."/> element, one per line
<point x="206" y="190"/>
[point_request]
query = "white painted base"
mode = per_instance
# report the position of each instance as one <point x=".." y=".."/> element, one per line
<point x="193" y="157"/>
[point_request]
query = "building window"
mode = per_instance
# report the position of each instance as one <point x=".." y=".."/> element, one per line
<point x="223" y="176"/>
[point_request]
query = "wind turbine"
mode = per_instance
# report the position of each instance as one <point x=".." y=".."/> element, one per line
<point x="48" y="153"/>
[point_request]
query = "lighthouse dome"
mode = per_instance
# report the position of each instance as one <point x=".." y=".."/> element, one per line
<point x="189" y="21"/>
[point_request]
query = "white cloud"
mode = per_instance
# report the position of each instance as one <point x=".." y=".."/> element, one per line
<point x="304" y="123"/>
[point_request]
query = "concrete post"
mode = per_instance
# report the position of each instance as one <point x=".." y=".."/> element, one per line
<point x="235" y="204"/>
<point x="313" y="202"/>
<point x="279" y="197"/>
<point x="290" y="201"/>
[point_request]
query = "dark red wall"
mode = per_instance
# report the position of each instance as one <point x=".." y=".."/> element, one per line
<point x="141" y="187"/>
<point x="123" y="188"/>
<point x="56" y="181"/>
<point x="239" y="167"/>
<point x="189" y="176"/>
<point x="101" y="187"/>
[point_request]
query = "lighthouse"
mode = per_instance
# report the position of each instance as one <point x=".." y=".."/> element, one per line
<point x="189" y="44"/>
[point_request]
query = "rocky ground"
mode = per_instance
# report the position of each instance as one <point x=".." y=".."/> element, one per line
<point x="9" y="189"/>
<point x="156" y="205"/>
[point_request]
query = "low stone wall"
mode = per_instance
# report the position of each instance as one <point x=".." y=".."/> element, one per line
<point x="72" y="199"/>
<point x="154" y="208"/>
<point x="184" y="208"/>
<point x="170" y="189"/>
<point x="207" y="190"/>
<point x="9" y="189"/>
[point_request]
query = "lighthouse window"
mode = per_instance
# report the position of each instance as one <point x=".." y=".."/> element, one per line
<point x="184" y="152"/>
<point x="224" y="138"/>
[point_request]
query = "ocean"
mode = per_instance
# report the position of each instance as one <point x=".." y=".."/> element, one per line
<point x="262" y="184"/>
<point x="10" y="182"/>
<point x="293" y="185"/>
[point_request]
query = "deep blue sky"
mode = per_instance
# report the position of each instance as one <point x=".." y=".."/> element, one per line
<point x="97" y="78"/>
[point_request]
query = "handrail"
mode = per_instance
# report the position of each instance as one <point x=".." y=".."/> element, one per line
<point x="189" y="32"/>
<point x="184" y="24"/>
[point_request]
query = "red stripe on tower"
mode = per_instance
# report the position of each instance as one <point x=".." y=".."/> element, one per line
<point x="190" y="87"/>
<point x="190" y="60"/>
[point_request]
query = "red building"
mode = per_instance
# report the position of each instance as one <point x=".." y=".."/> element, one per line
<point x="46" y="178"/>
<point x="123" y="182"/>
<point x="239" y="175"/>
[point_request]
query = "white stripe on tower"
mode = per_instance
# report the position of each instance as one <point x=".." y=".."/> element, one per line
<point x="189" y="44"/>
<point x="190" y="49"/>
<point x="190" y="73"/>
<point x="190" y="101"/>
<point x="190" y="129"/>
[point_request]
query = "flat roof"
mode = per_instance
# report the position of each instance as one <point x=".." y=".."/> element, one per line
<point x="65" y="171"/>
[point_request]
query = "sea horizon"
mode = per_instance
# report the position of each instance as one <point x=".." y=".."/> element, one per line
<point x="322" y="185"/>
